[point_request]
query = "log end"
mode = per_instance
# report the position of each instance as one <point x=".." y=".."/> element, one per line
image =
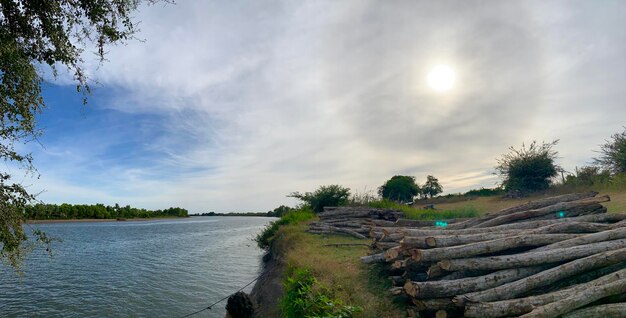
<point x="430" y="241"/>
<point x="445" y="264"/>
<point x="441" y="313"/>
<point x="410" y="289"/>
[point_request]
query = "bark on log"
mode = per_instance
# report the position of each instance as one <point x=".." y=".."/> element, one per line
<point x="485" y="247"/>
<point x="544" y="278"/>
<point x="454" y="240"/>
<point x="562" y="206"/>
<point x="374" y="258"/>
<point x="571" y="227"/>
<point x="531" y="258"/>
<point x="520" y="306"/>
<point x="433" y="303"/>
<point x="448" y="288"/>
<point x="600" y="311"/>
<point x="432" y="232"/>
<point x="532" y="205"/>
<point x="609" y="235"/>
<point x="425" y="223"/>
<point x="578" y="300"/>
<point x="409" y="242"/>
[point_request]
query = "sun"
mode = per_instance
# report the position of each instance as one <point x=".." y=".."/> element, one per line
<point x="441" y="78"/>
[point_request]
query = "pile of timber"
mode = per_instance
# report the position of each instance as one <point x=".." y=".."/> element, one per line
<point x="558" y="256"/>
<point x="355" y="221"/>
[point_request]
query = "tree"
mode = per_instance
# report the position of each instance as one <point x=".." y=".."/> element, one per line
<point x="35" y="34"/>
<point x="330" y="195"/>
<point x="432" y="187"/>
<point x="613" y="154"/>
<point x="399" y="188"/>
<point x="529" y="168"/>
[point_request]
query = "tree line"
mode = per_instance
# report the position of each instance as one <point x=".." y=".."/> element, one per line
<point x="96" y="211"/>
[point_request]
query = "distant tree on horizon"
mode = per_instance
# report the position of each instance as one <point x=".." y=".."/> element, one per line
<point x="613" y="154"/>
<point x="432" y="187"/>
<point x="399" y="188"/>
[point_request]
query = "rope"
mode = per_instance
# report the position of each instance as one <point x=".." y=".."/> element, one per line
<point x="221" y="300"/>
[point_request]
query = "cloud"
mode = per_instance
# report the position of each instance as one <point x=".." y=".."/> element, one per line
<point x="243" y="103"/>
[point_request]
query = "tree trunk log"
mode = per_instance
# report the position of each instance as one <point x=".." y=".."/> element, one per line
<point x="485" y="247"/>
<point x="600" y="311"/>
<point x="449" y="288"/>
<point x="544" y="278"/>
<point x="520" y="306"/>
<point x="578" y="299"/>
<point x="374" y="258"/>
<point x="609" y="235"/>
<point x="531" y="258"/>
<point x="562" y="206"/>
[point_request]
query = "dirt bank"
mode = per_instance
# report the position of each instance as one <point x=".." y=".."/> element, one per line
<point x="268" y="289"/>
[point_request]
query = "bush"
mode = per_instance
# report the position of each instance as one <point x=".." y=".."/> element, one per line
<point x="264" y="239"/>
<point x="484" y="192"/>
<point x="588" y="176"/>
<point x="613" y="152"/>
<point x="305" y="298"/>
<point x="528" y="169"/>
<point x="331" y="195"/>
<point x="399" y="188"/>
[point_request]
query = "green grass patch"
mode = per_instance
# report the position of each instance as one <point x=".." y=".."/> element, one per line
<point x="389" y="204"/>
<point x="264" y="239"/>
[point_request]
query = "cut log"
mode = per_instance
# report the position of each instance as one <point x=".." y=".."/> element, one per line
<point x="599" y="311"/>
<point x="532" y="205"/>
<point x="392" y="254"/>
<point x="520" y="306"/>
<point x="558" y="207"/>
<point x="454" y="240"/>
<point x="433" y="303"/>
<point x="432" y="232"/>
<point x="409" y="242"/>
<point x="609" y="235"/>
<point x="424" y="223"/>
<point x="530" y="258"/>
<point x="449" y="288"/>
<point x="571" y="227"/>
<point x="485" y="247"/>
<point x="374" y="258"/>
<point x="578" y="300"/>
<point x="544" y="278"/>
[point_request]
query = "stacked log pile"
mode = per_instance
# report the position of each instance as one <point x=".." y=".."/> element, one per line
<point x="559" y="256"/>
<point x="355" y="221"/>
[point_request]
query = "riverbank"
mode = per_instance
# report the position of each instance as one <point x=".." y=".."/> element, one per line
<point x="336" y="269"/>
<point x="95" y="220"/>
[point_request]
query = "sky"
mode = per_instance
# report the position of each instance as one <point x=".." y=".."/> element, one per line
<point x="231" y="105"/>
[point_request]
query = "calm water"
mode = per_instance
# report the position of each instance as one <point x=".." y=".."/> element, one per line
<point x="161" y="268"/>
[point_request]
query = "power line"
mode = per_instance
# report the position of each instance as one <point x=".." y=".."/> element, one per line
<point x="219" y="301"/>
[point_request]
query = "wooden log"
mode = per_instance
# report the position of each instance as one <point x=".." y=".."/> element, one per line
<point x="449" y="288"/>
<point x="580" y="278"/>
<point x="570" y="227"/>
<point x="383" y="222"/>
<point x="397" y="280"/>
<point x="531" y="258"/>
<point x="399" y="264"/>
<point x="520" y="306"/>
<point x="454" y="240"/>
<point x="396" y="291"/>
<point x="562" y="206"/>
<point x="432" y="232"/>
<point x="433" y="304"/>
<point x="393" y="254"/>
<point x="374" y="258"/>
<point x="435" y="271"/>
<point x="578" y="300"/>
<point x="385" y="245"/>
<point x="618" y="233"/>
<point x="544" y="278"/>
<point x="485" y="247"/>
<point x="599" y="311"/>
<point x="532" y="205"/>
<point x="409" y="242"/>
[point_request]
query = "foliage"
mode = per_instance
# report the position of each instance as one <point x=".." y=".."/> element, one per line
<point x="280" y="211"/>
<point x="35" y="34"/>
<point x="613" y="154"/>
<point x="264" y="239"/>
<point x="431" y="187"/>
<point x="390" y="204"/>
<point x="399" y="188"/>
<point x="96" y="211"/>
<point x="529" y="168"/>
<point x="588" y="176"/>
<point x="305" y="298"/>
<point x="484" y="192"/>
<point x="330" y="195"/>
<point x="432" y="214"/>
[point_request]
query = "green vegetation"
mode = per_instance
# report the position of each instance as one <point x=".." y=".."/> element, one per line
<point x="95" y="211"/>
<point x="399" y="188"/>
<point x="432" y="187"/>
<point x="331" y="195"/>
<point x="264" y="239"/>
<point x="528" y="169"/>
<point x="35" y="36"/>
<point x="613" y="154"/>
<point x="426" y="214"/>
<point x="305" y="297"/>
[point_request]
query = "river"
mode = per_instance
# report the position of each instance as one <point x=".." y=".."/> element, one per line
<point x="160" y="268"/>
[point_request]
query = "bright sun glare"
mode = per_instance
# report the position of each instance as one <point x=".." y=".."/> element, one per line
<point x="441" y="78"/>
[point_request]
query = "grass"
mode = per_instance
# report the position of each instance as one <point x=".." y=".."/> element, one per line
<point x="338" y="269"/>
<point x="462" y="211"/>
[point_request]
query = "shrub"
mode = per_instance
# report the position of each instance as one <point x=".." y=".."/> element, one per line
<point x="484" y="192"/>
<point x="264" y="239"/>
<point x="588" y="176"/>
<point x="305" y="298"/>
<point x="331" y="195"/>
<point x="529" y="168"/>
<point x="399" y="188"/>
<point x="613" y="154"/>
